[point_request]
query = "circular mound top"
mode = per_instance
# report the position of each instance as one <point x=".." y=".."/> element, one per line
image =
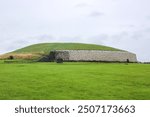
<point x="45" y="48"/>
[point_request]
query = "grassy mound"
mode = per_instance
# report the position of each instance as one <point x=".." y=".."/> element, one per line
<point x="36" y="50"/>
<point x="46" y="47"/>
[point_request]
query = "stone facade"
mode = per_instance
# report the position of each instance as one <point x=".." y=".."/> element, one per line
<point x="94" y="55"/>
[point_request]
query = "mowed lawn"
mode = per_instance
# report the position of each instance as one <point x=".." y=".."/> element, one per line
<point x="69" y="81"/>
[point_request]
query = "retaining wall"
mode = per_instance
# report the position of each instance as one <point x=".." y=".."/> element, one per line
<point x="95" y="55"/>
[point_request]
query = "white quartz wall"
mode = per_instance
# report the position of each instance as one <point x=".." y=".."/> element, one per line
<point x="96" y="55"/>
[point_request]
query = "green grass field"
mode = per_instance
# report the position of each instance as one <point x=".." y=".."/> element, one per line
<point x="69" y="81"/>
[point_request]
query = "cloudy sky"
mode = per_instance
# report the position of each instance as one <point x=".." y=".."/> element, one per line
<point x="123" y="24"/>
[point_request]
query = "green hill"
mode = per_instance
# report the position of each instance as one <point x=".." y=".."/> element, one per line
<point x="38" y="50"/>
<point x="47" y="47"/>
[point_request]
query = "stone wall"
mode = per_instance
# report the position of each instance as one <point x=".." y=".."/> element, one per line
<point x="96" y="55"/>
<point x="62" y="54"/>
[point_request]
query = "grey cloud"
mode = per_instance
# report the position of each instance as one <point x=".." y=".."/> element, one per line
<point x="43" y="38"/>
<point x="71" y="39"/>
<point x="137" y="36"/>
<point x="128" y="26"/>
<point x="136" y="42"/>
<point x="11" y="44"/>
<point x="99" y="39"/>
<point x="147" y="30"/>
<point x="96" y="14"/>
<point x="148" y="17"/>
<point x="15" y="44"/>
<point x="141" y="34"/>
<point x="120" y="36"/>
<point x="132" y="26"/>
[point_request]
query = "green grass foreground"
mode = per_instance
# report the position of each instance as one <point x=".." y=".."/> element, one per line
<point x="69" y="81"/>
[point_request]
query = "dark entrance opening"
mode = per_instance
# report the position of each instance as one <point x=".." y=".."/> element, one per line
<point x="11" y="57"/>
<point x="128" y="61"/>
<point x="59" y="60"/>
<point x="52" y="56"/>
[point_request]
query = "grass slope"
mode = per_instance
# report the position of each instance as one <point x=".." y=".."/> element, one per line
<point x="37" y="51"/>
<point x="47" y="47"/>
<point x="74" y="81"/>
